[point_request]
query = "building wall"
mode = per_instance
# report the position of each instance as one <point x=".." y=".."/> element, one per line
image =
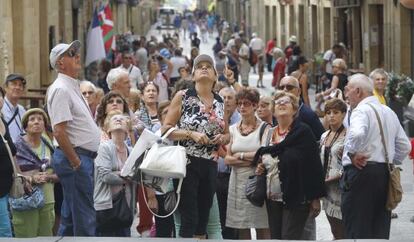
<point x="29" y="29"/>
<point x="379" y="32"/>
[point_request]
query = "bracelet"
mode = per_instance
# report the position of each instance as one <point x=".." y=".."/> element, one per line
<point x="188" y="134"/>
<point x="242" y="156"/>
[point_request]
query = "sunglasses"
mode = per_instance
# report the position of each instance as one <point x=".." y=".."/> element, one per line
<point x="88" y="92"/>
<point x="283" y="100"/>
<point x="117" y="101"/>
<point x="245" y="104"/>
<point x="287" y="87"/>
<point x="71" y="53"/>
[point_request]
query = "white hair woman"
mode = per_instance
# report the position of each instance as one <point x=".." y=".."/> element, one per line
<point x="380" y="78"/>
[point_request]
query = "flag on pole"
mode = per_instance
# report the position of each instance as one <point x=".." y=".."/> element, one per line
<point x="94" y="44"/>
<point x="107" y="25"/>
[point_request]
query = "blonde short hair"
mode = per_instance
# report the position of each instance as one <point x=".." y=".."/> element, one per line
<point x="340" y="63"/>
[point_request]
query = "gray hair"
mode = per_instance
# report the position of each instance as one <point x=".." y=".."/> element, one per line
<point x="113" y="76"/>
<point x="362" y="81"/>
<point x="227" y="90"/>
<point x="277" y="53"/>
<point x="378" y="71"/>
<point x="88" y="84"/>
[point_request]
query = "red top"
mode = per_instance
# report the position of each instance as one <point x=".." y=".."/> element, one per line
<point x="269" y="46"/>
<point x="278" y="72"/>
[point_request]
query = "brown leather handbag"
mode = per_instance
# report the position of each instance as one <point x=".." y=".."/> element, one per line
<point x="395" y="191"/>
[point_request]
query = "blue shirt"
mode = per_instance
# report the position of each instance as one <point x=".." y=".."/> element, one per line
<point x="15" y="126"/>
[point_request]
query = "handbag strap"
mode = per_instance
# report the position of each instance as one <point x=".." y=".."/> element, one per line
<point x="180" y="182"/>
<point x="166" y="134"/>
<point x="382" y="136"/>
<point x="15" y="173"/>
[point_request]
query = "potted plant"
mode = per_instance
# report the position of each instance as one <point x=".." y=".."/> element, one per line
<point x="399" y="90"/>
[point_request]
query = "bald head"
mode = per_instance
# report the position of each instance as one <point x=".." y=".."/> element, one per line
<point x="290" y="84"/>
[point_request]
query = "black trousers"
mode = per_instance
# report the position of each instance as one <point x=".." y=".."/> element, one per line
<point x="364" y="194"/>
<point x="197" y="193"/>
<point x="269" y="59"/>
<point x="286" y="223"/>
<point x="165" y="227"/>
<point x="222" y="194"/>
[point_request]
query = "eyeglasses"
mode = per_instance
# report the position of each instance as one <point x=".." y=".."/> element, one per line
<point x="117" y="101"/>
<point x="283" y="100"/>
<point x="127" y="57"/>
<point x="88" y="92"/>
<point x="71" y="53"/>
<point x="288" y="87"/>
<point x="245" y="104"/>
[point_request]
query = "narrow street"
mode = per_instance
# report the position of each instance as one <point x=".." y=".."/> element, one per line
<point x="401" y="227"/>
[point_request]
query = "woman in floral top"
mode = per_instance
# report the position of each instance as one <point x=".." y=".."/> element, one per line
<point x="199" y="115"/>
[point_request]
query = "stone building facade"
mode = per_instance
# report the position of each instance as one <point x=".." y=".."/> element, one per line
<point x="30" y="28"/>
<point x="377" y="33"/>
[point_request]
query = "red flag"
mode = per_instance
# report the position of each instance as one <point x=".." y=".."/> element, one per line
<point x="107" y="25"/>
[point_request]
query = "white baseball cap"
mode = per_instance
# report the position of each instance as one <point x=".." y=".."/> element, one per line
<point x="61" y="48"/>
<point x="293" y="39"/>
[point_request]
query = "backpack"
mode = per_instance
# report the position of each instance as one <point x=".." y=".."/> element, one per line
<point x="252" y="57"/>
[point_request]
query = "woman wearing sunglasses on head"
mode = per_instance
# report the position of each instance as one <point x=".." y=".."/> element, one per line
<point x="294" y="175"/>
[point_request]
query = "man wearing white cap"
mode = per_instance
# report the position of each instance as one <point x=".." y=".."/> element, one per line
<point x="78" y="139"/>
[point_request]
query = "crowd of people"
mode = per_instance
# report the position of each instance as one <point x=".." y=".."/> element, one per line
<point x="74" y="148"/>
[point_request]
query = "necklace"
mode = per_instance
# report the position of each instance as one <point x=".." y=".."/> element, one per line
<point x="327" y="151"/>
<point x="249" y="130"/>
<point x="282" y="134"/>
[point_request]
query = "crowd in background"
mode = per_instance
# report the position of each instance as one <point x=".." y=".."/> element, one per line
<point x="74" y="148"/>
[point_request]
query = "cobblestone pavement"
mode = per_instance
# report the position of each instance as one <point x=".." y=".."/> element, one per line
<point x="401" y="227"/>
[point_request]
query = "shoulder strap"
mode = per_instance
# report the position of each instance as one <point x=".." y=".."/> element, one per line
<point x="382" y="133"/>
<point x="178" y="192"/>
<point x="49" y="146"/>
<point x="269" y="136"/>
<point x="262" y="130"/>
<point x="13" y="117"/>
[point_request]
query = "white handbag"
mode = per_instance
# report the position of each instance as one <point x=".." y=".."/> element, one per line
<point x="165" y="161"/>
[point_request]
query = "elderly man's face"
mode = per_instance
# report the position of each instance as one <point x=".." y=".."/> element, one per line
<point x="352" y="94"/>
<point x="289" y="85"/>
<point x="70" y="63"/>
<point x="14" y="89"/>
<point x="122" y="85"/>
<point x="229" y="101"/>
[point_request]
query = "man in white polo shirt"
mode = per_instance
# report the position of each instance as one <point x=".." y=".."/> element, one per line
<point x="134" y="72"/>
<point x="78" y="139"/>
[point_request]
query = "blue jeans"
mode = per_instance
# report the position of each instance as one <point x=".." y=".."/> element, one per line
<point x="5" y="226"/>
<point x="78" y="214"/>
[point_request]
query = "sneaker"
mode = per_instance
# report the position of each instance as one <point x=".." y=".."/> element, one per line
<point x="394" y="215"/>
<point x="146" y="234"/>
